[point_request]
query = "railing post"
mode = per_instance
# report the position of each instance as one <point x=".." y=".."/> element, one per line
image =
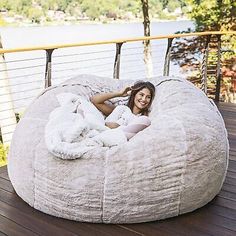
<point x="218" y="72"/>
<point x="116" y="72"/>
<point x="167" y="58"/>
<point x="48" y="70"/>
<point x="204" y="65"/>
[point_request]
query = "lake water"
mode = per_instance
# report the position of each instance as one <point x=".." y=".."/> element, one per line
<point x="44" y="35"/>
<point x="26" y="70"/>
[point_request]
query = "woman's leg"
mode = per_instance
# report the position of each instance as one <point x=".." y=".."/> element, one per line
<point x="136" y="125"/>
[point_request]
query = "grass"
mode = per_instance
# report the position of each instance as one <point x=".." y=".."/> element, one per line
<point x="3" y="163"/>
<point x="3" y="155"/>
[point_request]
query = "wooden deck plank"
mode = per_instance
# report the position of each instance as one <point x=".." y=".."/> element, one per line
<point x="216" y="218"/>
<point x="201" y="226"/>
<point x="233" y="158"/>
<point x="228" y="203"/>
<point x="221" y="210"/>
<point x="31" y="223"/>
<point x="4" y="175"/>
<point x="230" y="181"/>
<point x="183" y="226"/>
<point x="3" y="169"/>
<point x="227" y="195"/>
<point x="231" y="174"/>
<point x="10" y="228"/>
<point x="154" y="229"/>
<point x="40" y="218"/>
<point x="6" y="185"/>
<point x="169" y="227"/>
<point x="229" y="188"/>
<point x="208" y="223"/>
<point x="232" y="165"/>
<point x="200" y="222"/>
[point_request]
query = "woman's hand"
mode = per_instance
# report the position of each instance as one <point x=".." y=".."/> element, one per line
<point x="125" y="92"/>
<point x="99" y="100"/>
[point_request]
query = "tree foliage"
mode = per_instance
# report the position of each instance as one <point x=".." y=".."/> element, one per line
<point x="211" y="15"/>
<point x="115" y="9"/>
<point x="3" y="154"/>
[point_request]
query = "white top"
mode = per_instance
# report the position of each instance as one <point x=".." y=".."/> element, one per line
<point x="121" y="115"/>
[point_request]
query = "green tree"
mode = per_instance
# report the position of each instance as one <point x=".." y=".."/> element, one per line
<point x="48" y="5"/>
<point x="91" y="8"/>
<point x="2" y="21"/>
<point x="3" y="154"/>
<point x="155" y="8"/>
<point x="211" y="15"/>
<point x="34" y="14"/>
<point x="63" y="4"/>
<point x="74" y="9"/>
<point x="94" y="9"/>
<point x="172" y="5"/>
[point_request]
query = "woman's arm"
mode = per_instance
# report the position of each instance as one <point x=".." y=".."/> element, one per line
<point x="112" y="125"/>
<point x="99" y="100"/>
<point x="112" y="121"/>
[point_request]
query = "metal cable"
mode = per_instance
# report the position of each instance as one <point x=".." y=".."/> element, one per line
<point x="8" y="140"/>
<point x="71" y="75"/>
<point x="22" y="68"/>
<point x="130" y="72"/>
<point x="8" y="126"/>
<point x="22" y="91"/>
<point x="83" y="53"/>
<point x="10" y="86"/>
<point x="6" y="118"/>
<point x="127" y="55"/>
<point x="59" y="63"/>
<point x="77" y="68"/>
<point x="31" y="59"/>
<point x="14" y="108"/>
<point x="20" y="99"/>
<point x="19" y="76"/>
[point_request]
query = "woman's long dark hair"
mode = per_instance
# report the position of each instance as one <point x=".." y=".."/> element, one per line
<point x="135" y="89"/>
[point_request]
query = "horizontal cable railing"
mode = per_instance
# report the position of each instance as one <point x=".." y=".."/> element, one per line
<point x="25" y="72"/>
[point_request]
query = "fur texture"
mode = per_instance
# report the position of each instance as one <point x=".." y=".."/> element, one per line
<point x="174" y="166"/>
<point x="76" y="127"/>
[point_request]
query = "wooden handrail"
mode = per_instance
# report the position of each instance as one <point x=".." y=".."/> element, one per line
<point x="125" y="40"/>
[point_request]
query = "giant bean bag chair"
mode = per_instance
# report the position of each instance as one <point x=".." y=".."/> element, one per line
<point x="174" y="166"/>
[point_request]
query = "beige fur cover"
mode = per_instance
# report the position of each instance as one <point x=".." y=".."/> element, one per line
<point x="176" y="165"/>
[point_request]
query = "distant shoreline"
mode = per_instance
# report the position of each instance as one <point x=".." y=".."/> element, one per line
<point x="90" y="22"/>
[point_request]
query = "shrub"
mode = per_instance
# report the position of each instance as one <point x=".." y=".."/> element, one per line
<point x="3" y="154"/>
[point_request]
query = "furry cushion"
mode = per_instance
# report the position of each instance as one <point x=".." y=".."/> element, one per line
<point x="76" y="127"/>
<point x="174" y="166"/>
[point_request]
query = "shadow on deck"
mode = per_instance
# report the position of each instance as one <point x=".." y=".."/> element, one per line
<point x="216" y="218"/>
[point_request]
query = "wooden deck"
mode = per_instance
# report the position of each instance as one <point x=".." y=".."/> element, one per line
<point x="216" y="218"/>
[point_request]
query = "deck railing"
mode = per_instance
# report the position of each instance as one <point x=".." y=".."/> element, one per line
<point x="24" y="72"/>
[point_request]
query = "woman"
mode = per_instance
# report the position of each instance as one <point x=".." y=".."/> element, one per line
<point x="133" y="117"/>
